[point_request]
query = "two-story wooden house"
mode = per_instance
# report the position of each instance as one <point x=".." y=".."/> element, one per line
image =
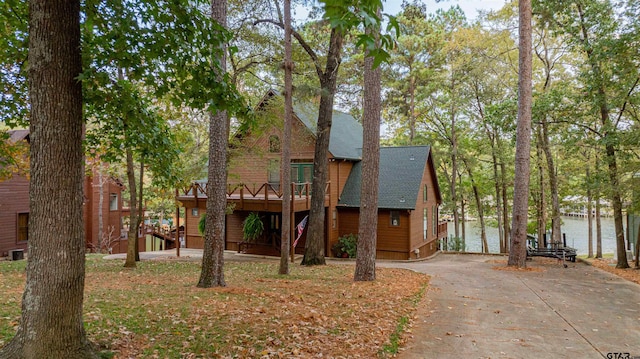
<point x="409" y="196"/>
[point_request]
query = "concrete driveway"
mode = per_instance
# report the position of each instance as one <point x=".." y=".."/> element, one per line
<point x="474" y="310"/>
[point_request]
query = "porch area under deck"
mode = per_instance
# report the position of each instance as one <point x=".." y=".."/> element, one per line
<point x="265" y="199"/>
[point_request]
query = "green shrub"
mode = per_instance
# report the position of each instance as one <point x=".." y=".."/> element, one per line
<point x="346" y="247"/>
<point x="202" y="224"/>
<point x="252" y="227"/>
<point x="454" y="244"/>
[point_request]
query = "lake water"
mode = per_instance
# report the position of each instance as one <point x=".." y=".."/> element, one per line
<point x="575" y="228"/>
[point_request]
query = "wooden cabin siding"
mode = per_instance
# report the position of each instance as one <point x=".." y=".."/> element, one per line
<point x="393" y="241"/>
<point x="111" y="218"/>
<point x="252" y="167"/>
<point x="338" y="174"/>
<point x="418" y="240"/>
<point x="193" y="239"/>
<point x="234" y="229"/>
<point x="393" y="238"/>
<point x="14" y="199"/>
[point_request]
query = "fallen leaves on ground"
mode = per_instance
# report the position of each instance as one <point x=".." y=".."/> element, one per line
<point x="531" y="267"/>
<point x="608" y="264"/>
<point x="156" y="311"/>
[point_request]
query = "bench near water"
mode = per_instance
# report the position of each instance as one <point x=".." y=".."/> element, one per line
<point x="551" y="250"/>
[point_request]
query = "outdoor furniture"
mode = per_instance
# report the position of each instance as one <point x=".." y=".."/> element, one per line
<point x="553" y="250"/>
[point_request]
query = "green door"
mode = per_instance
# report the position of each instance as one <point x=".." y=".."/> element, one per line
<point x="301" y="173"/>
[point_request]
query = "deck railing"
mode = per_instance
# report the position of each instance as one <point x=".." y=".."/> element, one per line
<point x="442" y="230"/>
<point x="266" y="191"/>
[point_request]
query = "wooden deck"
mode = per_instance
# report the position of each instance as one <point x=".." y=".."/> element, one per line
<point x="244" y="197"/>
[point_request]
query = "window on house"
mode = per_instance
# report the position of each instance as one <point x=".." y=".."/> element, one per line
<point x="334" y="219"/>
<point x="425" y="224"/>
<point x="434" y="211"/>
<point x="274" y="174"/>
<point x="23" y="227"/>
<point x="301" y="174"/>
<point x="274" y="144"/>
<point x="424" y="193"/>
<point x="395" y="218"/>
<point x="194" y="212"/>
<point x="113" y="202"/>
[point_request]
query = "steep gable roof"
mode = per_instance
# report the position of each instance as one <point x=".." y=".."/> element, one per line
<point x="399" y="181"/>
<point x="345" y="139"/>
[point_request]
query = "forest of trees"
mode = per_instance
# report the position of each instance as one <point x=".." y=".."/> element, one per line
<point x="151" y="80"/>
<point x="447" y="81"/>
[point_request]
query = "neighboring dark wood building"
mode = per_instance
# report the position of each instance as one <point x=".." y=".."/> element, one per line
<point x="14" y="204"/>
<point x="112" y="239"/>
<point x="14" y="211"/>
<point x="14" y="214"/>
<point x="408" y="225"/>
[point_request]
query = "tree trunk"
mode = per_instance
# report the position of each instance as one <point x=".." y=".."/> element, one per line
<point x="130" y="261"/>
<point x="463" y="221"/>
<point x="518" y="251"/>
<point x="505" y="207"/>
<point x="609" y="138"/>
<point x="412" y="106"/>
<point x="540" y="205"/>
<point x="589" y="215"/>
<point x="454" y="168"/>
<point x="140" y="210"/>
<point x="314" y="249"/>
<point x="556" y="221"/>
<point x="498" y="198"/>
<point x="368" y="220"/>
<point x="598" y="227"/>
<point x="617" y="206"/>
<point x="636" y="251"/>
<point x="212" y="273"/>
<point x="101" y="241"/>
<point x="51" y="323"/>
<point x="285" y="229"/>
<point x="476" y="194"/>
<point x="556" y="236"/>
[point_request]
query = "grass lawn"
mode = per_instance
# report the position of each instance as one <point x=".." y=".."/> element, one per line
<point x="155" y="311"/>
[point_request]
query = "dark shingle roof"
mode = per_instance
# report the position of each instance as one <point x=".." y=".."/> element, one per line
<point x="345" y="141"/>
<point x="400" y="178"/>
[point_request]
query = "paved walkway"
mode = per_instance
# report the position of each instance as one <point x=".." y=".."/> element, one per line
<point x="475" y="311"/>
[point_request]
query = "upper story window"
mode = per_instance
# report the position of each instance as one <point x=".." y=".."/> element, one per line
<point x="424" y="193"/>
<point x="274" y="144"/>
<point x="113" y="202"/>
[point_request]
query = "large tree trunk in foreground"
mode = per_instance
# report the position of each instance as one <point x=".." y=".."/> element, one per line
<point x="51" y="324"/>
<point x="314" y="248"/>
<point x="212" y="273"/>
<point x="518" y="250"/>
<point x="368" y="220"/>
<point x="285" y="229"/>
